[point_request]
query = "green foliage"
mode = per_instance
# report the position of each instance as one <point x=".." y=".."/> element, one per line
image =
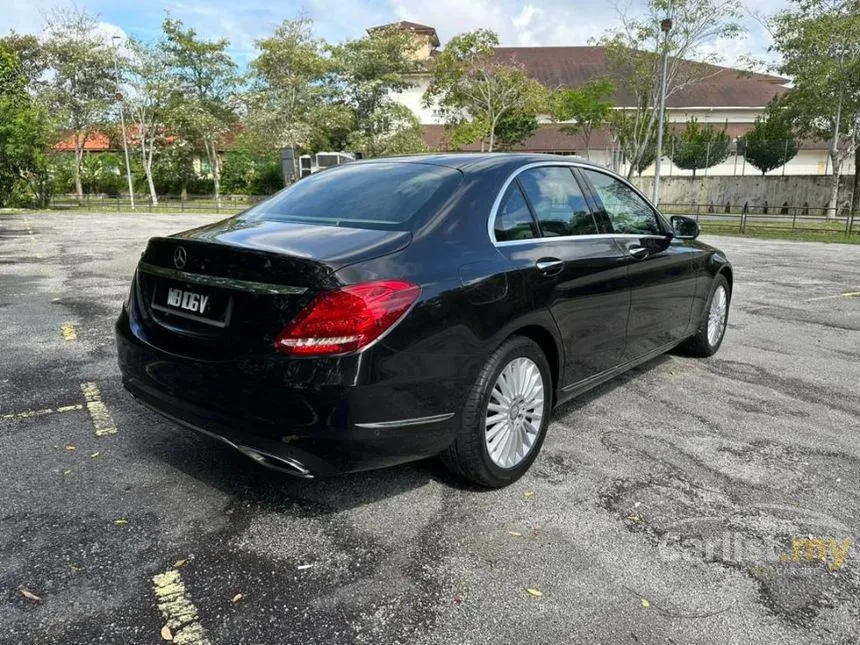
<point x="79" y="87"/>
<point x="30" y="54"/>
<point x="589" y="106"/>
<point x="514" y="128"/>
<point x="288" y="85"/>
<point x="249" y="174"/>
<point x="205" y="80"/>
<point x="24" y="138"/>
<point x="699" y="147"/>
<point x="770" y="144"/>
<point x="634" y="53"/>
<point x="474" y="92"/>
<point x="818" y="42"/>
<point x="364" y="73"/>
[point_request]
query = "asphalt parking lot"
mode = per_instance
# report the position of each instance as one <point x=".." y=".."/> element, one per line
<point x="676" y="504"/>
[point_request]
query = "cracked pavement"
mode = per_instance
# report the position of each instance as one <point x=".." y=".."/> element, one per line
<point x="662" y="508"/>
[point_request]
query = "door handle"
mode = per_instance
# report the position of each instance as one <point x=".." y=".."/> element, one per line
<point x="550" y="266"/>
<point x="638" y="252"/>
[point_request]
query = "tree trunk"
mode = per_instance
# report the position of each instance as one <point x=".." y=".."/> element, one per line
<point x="215" y="165"/>
<point x="833" y="202"/>
<point x="855" y="195"/>
<point x="630" y="168"/>
<point x="147" y="170"/>
<point x="79" y="156"/>
<point x="152" y="192"/>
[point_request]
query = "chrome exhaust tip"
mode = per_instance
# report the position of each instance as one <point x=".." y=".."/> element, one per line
<point x="286" y="465"/>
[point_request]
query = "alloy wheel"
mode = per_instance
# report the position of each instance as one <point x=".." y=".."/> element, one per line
<point x="514" y="413"/>
<point x="717" y="315"/>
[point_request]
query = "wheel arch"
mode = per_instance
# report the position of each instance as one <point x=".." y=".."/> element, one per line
<point x="726" y="270"/>
<point x="550" y="347"/>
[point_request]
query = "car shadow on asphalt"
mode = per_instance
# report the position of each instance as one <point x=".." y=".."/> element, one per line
<point x="220" y="467"/>
<point x="639" y="372"/>
<point x="224" y="469"/>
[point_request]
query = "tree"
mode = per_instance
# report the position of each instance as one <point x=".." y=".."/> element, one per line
<point x="31" y="57"/>
<point x="288" y="85"/>
<point x="364" y="74"/>
<point x="205" y="79"/>
<point x="589" y="107"/>
<point x="80" y="84"/>
<point x="473" y="91"/>
<point x="148" y="100"/>
<point x="634" y="54"/>
<point x="24" y="136"/>
<point x="515" y="127"/>
<point x="699" y="147"/>
<point x="770" y="144"/>
<point x="819" y="42"/>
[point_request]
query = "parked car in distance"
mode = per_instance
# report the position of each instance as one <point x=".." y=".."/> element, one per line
<point x="389" y="310"/>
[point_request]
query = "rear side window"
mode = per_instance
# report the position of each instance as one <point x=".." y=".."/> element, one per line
<point x="627" y="211"/>
<point x="393" y="196"/>
<point x="557" y="201"/>
<point x="514" y="221"/>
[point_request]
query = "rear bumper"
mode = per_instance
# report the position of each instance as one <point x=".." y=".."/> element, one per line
<point x="257" y="406"/>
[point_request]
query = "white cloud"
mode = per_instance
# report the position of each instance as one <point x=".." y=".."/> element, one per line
<point x="518" y="22"/>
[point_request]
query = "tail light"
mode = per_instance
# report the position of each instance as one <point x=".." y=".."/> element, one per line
<point x="348" y="319"/>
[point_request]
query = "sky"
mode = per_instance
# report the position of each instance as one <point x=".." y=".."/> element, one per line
<point x="518" y="22"/>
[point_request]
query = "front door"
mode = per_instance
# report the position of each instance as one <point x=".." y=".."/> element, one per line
<point x="662" y="271"/>
<point x="546" y="228"/>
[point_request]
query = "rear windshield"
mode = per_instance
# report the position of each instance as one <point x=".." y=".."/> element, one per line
<point x="380" y="195"/>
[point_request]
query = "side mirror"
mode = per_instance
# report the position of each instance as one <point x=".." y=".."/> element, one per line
<point x="685" y="228"/>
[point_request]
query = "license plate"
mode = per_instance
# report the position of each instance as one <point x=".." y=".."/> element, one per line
<point x="187" y="301"/>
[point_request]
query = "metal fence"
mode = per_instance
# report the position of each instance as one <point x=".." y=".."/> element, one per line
<point x="714" y="218"/>
<point x="227" y="204"/>
<point x="750" y="219"/>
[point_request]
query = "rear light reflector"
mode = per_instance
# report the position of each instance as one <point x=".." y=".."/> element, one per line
<point x="348" y="319"/>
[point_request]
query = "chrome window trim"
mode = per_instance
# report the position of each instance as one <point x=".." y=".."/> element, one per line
<point x="491" y="221"/>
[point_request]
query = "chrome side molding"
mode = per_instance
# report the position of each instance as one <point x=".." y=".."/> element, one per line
<point x="402" y="423"/>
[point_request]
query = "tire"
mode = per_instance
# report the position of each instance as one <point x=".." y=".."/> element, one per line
<point x="702" y="343"/>
<point x="469" y="456"/>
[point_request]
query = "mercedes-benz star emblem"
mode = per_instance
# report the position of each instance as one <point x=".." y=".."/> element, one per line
<point x="180" y="257"/>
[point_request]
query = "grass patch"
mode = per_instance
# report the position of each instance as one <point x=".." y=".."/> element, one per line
<point x="828" y="234"/>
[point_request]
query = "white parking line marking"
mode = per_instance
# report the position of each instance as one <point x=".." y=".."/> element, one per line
<point x="26" y="414"/>
<point x="102" y="420"/>
<point x="180" y="614"/>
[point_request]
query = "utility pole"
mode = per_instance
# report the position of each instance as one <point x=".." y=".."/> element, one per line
<point x="665" y="27"/>
<point x="119" y="98"/>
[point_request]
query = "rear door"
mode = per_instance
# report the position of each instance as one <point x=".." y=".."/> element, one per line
<point x="662" y="271"/>
<point x="545" y="227"/>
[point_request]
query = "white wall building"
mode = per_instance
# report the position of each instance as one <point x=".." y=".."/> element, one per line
<point x="727" y="97"/>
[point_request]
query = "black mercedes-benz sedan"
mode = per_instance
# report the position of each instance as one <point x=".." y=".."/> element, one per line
<point x="393" y="309"/>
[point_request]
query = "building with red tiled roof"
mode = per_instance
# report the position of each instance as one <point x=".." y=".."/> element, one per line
<point x="723" y="96"/>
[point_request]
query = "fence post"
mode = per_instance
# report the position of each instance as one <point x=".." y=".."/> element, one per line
<point x="793" y="217"/>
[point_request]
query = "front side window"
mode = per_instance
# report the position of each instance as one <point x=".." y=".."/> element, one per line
<point x="627" y="211"/>
<point x="557" y="201"/>
<point x="514" y="221"/>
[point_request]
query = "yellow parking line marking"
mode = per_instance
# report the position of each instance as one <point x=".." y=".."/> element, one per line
<point x="180" y="614"/>
<point x="102" y="420"/>
<point x="69" y="333"/>
<point x="847" y="294"/>
<point x="26" y="414"/>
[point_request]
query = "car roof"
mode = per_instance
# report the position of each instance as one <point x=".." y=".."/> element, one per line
<point x="474" y="160"/>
